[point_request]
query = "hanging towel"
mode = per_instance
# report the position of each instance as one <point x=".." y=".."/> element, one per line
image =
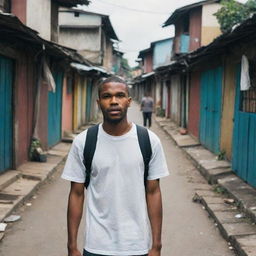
<point x="245" y="82"/>
<point x="48" y="78"/>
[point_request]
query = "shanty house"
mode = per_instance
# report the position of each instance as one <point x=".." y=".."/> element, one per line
<point x="91" y="34"/>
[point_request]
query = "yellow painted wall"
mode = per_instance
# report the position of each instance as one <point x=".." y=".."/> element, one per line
<point x="209" y="34"/>
<point x="228" y="107"/>
<point x="210" y="25"/>
<point x="84" y="86"/>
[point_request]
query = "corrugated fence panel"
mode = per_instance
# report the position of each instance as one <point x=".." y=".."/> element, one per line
<point x="6" y="113"/>
<point x="252" y="151"/>
<point x="244" y="140"/>
<point x="54" y="111"/>
<point x="210" y="111"/>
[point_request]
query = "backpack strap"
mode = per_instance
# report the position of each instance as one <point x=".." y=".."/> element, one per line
<point x="89" y="149"/>
<point x="145" y="148"/>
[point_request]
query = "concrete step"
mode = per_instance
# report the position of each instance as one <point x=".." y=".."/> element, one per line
<point x="16" y="194"/>
<point x="244" y="194"/>
<point x="207" y="163"/>
<point x="8" y="177"/>
<point x="239" y="232"/>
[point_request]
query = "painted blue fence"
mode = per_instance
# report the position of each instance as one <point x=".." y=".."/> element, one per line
<point x="244" y="141"/>
<point x="210" y="112"/>
<point x="184" y="43"/>
<point x="6" y="114"/>
<point x="54" y="111"/>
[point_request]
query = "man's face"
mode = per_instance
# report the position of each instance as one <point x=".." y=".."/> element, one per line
<point x="114" y="101"/>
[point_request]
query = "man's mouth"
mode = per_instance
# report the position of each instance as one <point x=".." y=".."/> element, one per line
<point x="114" y="111"/>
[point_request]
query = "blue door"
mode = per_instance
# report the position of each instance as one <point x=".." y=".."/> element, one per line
<point x="210" y="112"/>
<point x="54" y="110"/>
<point x="244" y="135"/>
<point x="6" y="134"/>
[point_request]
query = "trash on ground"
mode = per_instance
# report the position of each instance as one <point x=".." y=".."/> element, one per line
<point x="228" y="201"/>
<point x="3" y="227"/>
<point x="240" y="216"/>
<point x="28" y="204"/>
<point x="12" y="218"/>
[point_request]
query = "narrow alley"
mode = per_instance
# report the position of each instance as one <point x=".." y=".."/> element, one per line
<point x="187" y="229"/>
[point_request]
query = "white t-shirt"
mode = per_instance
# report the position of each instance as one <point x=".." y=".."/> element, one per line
<point x="116" y="211"/>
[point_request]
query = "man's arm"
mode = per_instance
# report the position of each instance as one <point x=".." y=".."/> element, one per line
<point x="155" y="213"/>
<point x="75" y="211"/>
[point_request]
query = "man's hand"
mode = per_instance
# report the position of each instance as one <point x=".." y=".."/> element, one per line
<point x="154" y="252"/>
<point x="74" y="252"/>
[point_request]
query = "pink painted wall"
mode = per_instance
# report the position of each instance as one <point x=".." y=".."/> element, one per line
<point x="25" y="95"/>
<point x="67" y="108"/>
<point x="24" y="101"/>
<point x="19" y="8"/>
<point x="148" y="62"/>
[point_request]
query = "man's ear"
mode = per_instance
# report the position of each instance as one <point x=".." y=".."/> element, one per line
<point x="129" y="101"/>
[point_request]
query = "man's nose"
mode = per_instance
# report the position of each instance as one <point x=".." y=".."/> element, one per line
<point x="113" y="100"/>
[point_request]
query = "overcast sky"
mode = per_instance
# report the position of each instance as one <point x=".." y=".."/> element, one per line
<point x="138" y="22"/>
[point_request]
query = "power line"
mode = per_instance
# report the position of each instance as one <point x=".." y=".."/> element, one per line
<point x="133" y="9"/>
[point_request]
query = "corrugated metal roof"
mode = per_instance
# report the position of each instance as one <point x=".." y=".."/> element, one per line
<point x="241" y="33"/>
<point x="16" y="34"/>
<point x="148" y="74"/>
<point x="178" y="13"/>
<point x="86" y="68"/>
<point x="244" y="33"/>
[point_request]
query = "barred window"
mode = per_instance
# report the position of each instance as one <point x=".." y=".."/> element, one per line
<point x="248" y="98"/>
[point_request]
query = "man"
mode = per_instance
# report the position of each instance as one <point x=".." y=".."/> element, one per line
<point x="120" y="213"/>
<point x="146" y="107"/>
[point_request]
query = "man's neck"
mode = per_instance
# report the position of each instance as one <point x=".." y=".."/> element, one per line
<point x="117" y="129"/>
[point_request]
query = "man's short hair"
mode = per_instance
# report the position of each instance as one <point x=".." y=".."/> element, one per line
<point x="112" y="79"/>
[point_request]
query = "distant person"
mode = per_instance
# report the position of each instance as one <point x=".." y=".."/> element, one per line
<point x="123" y="205"/>
<point x="146" y="107"/>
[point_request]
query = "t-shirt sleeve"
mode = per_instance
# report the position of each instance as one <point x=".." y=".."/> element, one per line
<point x="74" y="169"/>
<point x="157" y="165"/>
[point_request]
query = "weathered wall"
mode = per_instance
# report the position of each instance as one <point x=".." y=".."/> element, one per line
<point x="39" y="17"/>
<point x="162" y="53"/>
<point x="108" y="53"/>
<point x="194" y="104"/>
<point x="80" y="38"/>
<point x="69" y="18"/>
<point x="24" y="106"/>
<point x="178" y="32"/>
<point x="210" y="25"/>
<point x="19" y="8"/>
<point x="54" y="22"/>
<point x="228" y="107"/>
<point x="67" y="106"/>
<point x="175" y="99"/>
<point x="194" y="28"/>
<point x="148" y="62"/>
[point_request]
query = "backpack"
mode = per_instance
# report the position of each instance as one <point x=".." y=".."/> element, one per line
<point x="90" y="146"/>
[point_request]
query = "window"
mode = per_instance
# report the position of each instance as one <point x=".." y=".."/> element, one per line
<point x="248" y="98"/>
<point x="76" y="14"/>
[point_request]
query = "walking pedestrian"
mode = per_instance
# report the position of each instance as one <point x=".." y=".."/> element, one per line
<point x="123" y="214"/>
<point x="146" y="107"/>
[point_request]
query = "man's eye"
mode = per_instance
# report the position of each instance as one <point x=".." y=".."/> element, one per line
<point x="106" y="96"/>
<point x="121" y="95"/>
